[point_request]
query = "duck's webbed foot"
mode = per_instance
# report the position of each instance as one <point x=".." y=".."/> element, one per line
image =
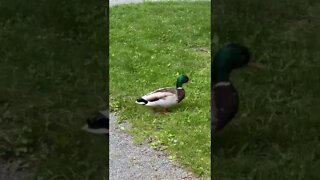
<point x="154" y="110"/>
<point x="166" y="111"/>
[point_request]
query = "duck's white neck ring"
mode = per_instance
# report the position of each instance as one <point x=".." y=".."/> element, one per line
<point x="179" y="88"/>
<point x="222" y="84"/>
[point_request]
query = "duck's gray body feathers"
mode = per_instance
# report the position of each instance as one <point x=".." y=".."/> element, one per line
<point x="164" y="97"/>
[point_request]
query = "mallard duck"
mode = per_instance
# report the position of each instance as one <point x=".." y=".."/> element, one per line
<point x="165" y="97"/>
<point x="225" y="99"/>
<point x="98" y="123"/>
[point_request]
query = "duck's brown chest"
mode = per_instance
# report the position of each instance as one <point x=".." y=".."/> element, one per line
<point x="225" y="103"/>
<point x="181" y="95"/>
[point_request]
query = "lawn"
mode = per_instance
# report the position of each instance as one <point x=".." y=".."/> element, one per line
<point x="150" y="45"/>
<point x="276" y="132"/>
<point x="52" y="76"/>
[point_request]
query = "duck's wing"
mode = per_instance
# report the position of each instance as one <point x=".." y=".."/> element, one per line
<point x="161" y="93"/>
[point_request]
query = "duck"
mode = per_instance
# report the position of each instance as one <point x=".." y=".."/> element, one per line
<point x="98" y="123"/>
<point x="225" y="98"/>
<point x="164" y="98"/>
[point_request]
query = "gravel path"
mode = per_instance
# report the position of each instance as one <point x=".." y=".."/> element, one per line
<point x="138" y="162"/>
<point x="130" y="161"/>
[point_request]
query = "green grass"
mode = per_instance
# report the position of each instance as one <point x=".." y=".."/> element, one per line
<point x="52" y="76"/>
<point x="276" y="132"/>
<point x="150" y="44"/>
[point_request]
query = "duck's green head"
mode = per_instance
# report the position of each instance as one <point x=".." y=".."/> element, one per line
<point x="228" y="58"/>
<point x="181" y="80"/>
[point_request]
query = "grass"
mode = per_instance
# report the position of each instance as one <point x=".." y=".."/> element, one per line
<point x="150" y="44"/>
<point x="276" y="132"/>
<point x="53" y="75"/>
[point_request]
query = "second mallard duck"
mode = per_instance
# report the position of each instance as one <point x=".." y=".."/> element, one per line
<point x="165" y="98"/>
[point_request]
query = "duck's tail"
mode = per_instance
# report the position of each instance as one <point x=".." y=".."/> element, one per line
<point x="98" y="123"/>
<point x="141" y="101"/>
